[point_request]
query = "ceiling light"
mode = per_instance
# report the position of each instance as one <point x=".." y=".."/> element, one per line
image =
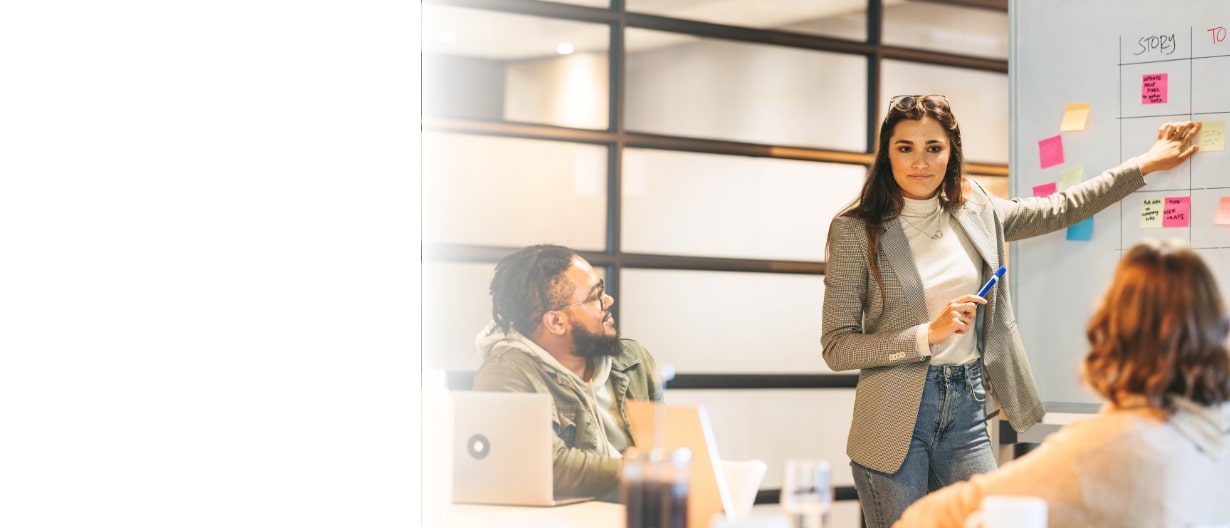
<point x="564" y="48"/>
<point x="448" y="36"/>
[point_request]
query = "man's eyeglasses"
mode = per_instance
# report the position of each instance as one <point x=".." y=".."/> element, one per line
<point x="597" y="297"/>
<point x="904" y="103"/>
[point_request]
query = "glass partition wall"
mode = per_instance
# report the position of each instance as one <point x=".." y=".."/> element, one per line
<point x="694" y="151"/>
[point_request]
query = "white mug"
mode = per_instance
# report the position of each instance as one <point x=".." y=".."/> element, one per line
<point x="1009" y="511"/>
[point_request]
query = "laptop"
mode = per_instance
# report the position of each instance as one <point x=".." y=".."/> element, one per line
<point x="502" y="450"/>
<point x="674" y="426"/>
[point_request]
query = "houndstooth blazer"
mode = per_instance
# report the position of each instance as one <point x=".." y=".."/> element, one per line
<point x="876" y="333"/>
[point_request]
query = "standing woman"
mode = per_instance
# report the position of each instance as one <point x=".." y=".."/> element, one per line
<point x="904" y="262"/>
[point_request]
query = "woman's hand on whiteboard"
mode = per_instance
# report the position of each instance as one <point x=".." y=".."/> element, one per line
<point x="1175" y="143"/>
<point x="957" y="317"/>
<point x="1178" y="130"/>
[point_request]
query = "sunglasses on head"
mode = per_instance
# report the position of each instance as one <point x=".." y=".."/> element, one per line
<point x="903" y="103"/>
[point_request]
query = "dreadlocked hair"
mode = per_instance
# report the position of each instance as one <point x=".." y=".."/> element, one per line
<point x="527" y="284"/>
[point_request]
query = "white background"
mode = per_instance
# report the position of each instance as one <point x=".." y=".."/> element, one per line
<point x="208" y="263"/>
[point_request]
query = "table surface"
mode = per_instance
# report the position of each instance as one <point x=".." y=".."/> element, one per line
<point x="591" y="514"/>
<point x="1051" y="422"/>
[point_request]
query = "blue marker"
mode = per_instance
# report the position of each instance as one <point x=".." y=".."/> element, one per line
<point x="994" y="279"/>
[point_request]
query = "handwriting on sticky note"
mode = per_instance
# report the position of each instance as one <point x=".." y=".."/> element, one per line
<point x="1045" y="189"/>
<point x="1222" y="217"/>
<point x="1082" y="230"/>
<point x="1154" y="88"/>
<point x="1151" y="213"/>
<point x="1212" y="136"/>
<point x="1075" y="115"/>
<point x="1050" y="151"/>
<point x="1177" y="212"/>
<point x="1071" y="176"/>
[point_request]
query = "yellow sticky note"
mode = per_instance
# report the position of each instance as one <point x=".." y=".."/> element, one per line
<point x="1071" y="176"/>
<point x="1151" y="213"/>
<point x="1074" y="117"/>
<point x="1212" y="136"/>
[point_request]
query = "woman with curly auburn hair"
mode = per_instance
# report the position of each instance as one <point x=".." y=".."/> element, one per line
<point x="1171" y="343"/>
<point x="1158" y="453"/>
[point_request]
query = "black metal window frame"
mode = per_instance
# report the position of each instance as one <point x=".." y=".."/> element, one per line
<point x="616" y="138"/>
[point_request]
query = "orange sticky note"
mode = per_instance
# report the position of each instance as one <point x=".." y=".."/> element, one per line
<point x="1223" y="212"/>
<point x="1075" y="115"/>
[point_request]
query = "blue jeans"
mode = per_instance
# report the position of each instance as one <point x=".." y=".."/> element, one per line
<point x="950" y="444"/>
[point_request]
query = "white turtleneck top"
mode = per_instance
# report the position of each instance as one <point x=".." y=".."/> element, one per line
<point x="949" y="267"/>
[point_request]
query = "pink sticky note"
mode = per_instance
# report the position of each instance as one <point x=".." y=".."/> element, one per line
<point x="1177" y="212"/>
<point x="1050" y="150"/>
<point x="1223" y="211"/>
<point x="1045" y="189"/>
<point x="1154" y="88"/>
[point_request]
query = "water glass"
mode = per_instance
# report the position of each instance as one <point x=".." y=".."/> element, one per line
<point x="807" y="493"/>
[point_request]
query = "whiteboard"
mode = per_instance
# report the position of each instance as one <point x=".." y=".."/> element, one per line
<point x="1137" y="64"/>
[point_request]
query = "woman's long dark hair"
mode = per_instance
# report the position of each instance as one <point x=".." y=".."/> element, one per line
<point x="881" y="197"/>
<point x="1160" y="331"/>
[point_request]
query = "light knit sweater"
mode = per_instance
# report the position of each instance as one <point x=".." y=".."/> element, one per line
<point x="1121" y="467"/>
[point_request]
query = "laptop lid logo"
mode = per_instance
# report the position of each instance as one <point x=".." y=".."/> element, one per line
<point x="478" y="446"/>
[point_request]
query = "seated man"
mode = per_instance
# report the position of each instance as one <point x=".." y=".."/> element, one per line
<point x="1158" y="453"/>
<point x="553" y="333"/>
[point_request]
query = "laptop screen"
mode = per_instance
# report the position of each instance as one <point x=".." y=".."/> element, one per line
<point x="685" y="426"/>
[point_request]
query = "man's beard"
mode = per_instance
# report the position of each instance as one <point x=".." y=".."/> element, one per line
<point x="595" y="346"/>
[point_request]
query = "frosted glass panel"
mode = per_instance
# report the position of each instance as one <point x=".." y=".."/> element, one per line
<point x="513" y="192"/>
<point x="456" y="305"/>
<point x="504" y="67"/>
<point x="727" y="206"/>
<point x="996" y="185"/>
<point x="706" y="88"/>
<point x="979" y="100"/>
<point x="845" y="19"/>
<point x="773" y="425"/>
<point x="947" y="28"/>
<point x="725" y="322"/>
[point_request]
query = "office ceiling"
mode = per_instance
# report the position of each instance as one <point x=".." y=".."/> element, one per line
<point x="504" y="36"/>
